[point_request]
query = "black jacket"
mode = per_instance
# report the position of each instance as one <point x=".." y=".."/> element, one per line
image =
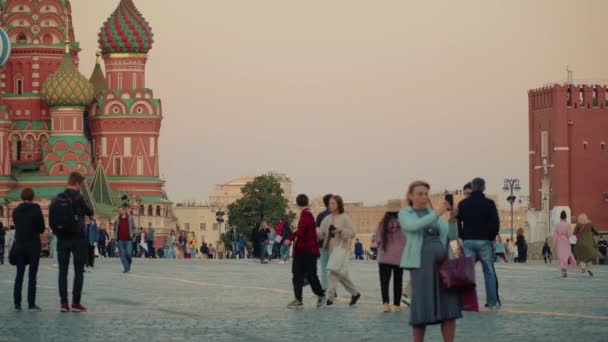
<point x="81" y="208"/>
<point x="478" y="218"/>
<point x="29" y="224"/>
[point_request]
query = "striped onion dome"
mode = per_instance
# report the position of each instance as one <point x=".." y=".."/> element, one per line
<point x="126" y="31"/>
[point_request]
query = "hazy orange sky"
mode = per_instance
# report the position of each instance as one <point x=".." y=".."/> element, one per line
<point x="356" y="97"/>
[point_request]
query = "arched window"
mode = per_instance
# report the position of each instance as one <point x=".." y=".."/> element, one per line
<point x="21" y="38"/>
<point x="158" y="210"/>
<point x="42" y="141"/>
<point x="16" y="147"/>
<point x="150" y="209"/>
<point x="141" y="209"/>
<point x="1" y="211"/>
<point x="47" y="39"/>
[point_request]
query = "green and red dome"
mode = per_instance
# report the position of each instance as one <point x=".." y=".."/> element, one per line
<point x="126" y="31"/>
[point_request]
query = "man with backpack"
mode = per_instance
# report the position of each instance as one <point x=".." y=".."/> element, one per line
<point x="66" y="218"/>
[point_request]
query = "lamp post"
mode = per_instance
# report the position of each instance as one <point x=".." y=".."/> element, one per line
<point x="219" y="217"/>
<point x="512" y="185"/>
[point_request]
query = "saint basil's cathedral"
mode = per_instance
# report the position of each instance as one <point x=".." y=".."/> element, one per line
<point x="54" y="120"/>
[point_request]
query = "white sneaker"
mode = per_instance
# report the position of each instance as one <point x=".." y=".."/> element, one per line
<point x="281" y="262"/>
<point x="55" y="265"/>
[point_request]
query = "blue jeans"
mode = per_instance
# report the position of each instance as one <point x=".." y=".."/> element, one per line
<point x="235" y="249"/>
<point x="483" y="251"/>
<point x="55" y="254"/>
<point x="125" y="249"/>
<point x="324" y="260"/>
<point x="284" y="251"/>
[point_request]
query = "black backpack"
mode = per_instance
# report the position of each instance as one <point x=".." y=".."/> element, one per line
<point x="63" y="218"/>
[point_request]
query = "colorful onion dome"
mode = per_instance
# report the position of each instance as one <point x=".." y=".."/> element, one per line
<point x="126" y="31"/>
<point x="67" y="86"/>
<point x="5" y="47"/>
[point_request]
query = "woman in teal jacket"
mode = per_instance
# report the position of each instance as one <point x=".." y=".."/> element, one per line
<point x="428" y="236"/>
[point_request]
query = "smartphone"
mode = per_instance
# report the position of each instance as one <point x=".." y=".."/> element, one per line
<point x="450" y="199"/>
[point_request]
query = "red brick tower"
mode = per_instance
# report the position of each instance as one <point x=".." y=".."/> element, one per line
<point x="568" y="130"/>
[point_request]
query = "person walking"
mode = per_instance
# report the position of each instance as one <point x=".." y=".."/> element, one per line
<point x="561" y="244"/>
<point x="171" y="244"/>
<point x="511" y="251"/>
<point x="262" y="238"/>
<point x="242" y="245"/>
<point x="478" y="227"/>
<point x="234" y="242"/>
<point x="547" y="251"/>
<point x="522" y="246"/>
<point x="586" y="251"/>
<point x="428" y="236"/>
<point x="359" y="250"/>
<point x="111" y="250"/>
<point x="182" y="241"/>
<point x="66" y="218"/>
<point x="272" y="235"/>
<point x="102" y="241"/>
<point x="93" y="235"/>
<point x="390" y="241"/>
<point x="306" y="252"/>
<point x="324" y="255"/>
<point x="285" y="249"/>
<point x="124" y="232"/>
<point x="602" y="246"/>
<point x="499" y="248"/>
<point x="29" y="224"/>
<point x="150" y="237"/>
<point x="338" y="231"/>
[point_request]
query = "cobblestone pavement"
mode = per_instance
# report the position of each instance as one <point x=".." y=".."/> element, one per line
<point x="194" y="300"/>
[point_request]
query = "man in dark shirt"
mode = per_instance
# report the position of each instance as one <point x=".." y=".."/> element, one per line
<point x="324" y="254"/>
<point x="478" y="225"/>
<point x="75" y="243"/>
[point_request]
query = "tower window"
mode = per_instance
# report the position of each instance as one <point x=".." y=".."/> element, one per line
<point x="21" y="38"/>
<point x="150" y="210"/>
<point x="19" y="86"/>
<point x="140" y="165"/>
<point x="603" y="146"/>
<point x="117" y="167"/>
<point x="585" y="145"/>
<point x="158" y="210"/>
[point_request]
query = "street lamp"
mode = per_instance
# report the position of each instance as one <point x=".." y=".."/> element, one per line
<point x="219" y="217"/>
<point x="512" y="185"/>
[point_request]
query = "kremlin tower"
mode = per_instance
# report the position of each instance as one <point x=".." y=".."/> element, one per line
<point x="54" y="121"/>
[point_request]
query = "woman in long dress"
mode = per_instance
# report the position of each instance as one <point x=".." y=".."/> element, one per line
<point x="586" y="249"/>
<point x="338" y="231"/>
<point x="561" y="244"/>
<point x="428" y="236"/>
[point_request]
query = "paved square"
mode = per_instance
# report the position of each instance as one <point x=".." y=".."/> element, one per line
<point x="194" y="300"/>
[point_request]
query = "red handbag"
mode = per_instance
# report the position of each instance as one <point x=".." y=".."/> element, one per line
<point x="469" y="299"/>
<point x="457" y="273"/>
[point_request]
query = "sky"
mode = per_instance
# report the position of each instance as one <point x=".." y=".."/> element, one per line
<point x="354" y="97"/>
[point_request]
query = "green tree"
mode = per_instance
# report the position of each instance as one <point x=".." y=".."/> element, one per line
<point x="262" y="200"/>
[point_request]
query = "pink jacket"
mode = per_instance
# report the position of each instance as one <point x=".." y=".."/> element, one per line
<point x="394" y="245"/>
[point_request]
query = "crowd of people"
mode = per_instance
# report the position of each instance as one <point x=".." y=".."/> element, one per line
<point x="418" y="238"/>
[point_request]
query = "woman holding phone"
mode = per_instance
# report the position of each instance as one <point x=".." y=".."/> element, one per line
<point x="339" y="230"/>
<point x="428" y="236"/>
